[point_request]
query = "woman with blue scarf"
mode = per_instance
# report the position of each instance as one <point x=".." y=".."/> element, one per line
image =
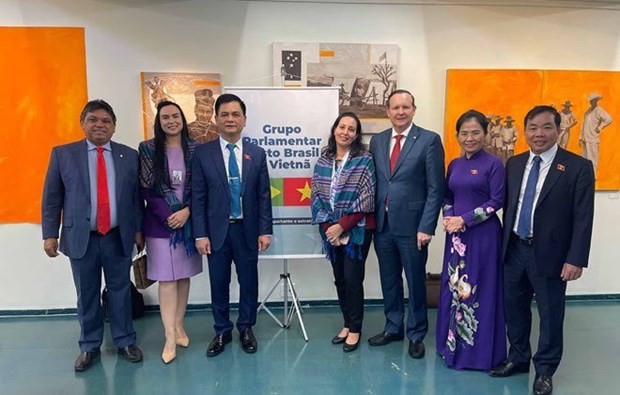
<point x="165" y="178"/>
<point x="343" y="203"/>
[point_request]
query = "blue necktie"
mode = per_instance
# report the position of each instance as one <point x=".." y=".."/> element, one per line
<point x="234" y="182"/>
<point x="525" y="217"/>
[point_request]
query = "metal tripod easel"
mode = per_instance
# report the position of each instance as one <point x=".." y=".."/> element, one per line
<point x="295" y="306"/>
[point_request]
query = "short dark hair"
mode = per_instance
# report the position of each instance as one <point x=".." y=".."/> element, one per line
<point x="475" y="115"/>
<point x="228" y="98"/>
<point x="95" y="105"/>
<point x="542" y="109"/>
<point x="357" y="146"/>
<point x="396" y="92"/>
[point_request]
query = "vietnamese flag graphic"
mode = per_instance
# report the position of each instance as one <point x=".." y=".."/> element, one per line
<point x="290" y="191"/>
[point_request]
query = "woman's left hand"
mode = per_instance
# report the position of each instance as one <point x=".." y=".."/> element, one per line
<point x="177" y="220"/>
<point x="333" y="233"/>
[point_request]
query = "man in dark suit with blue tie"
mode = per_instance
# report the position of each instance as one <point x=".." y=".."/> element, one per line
<point x="548" y="215"/>
<point x="409" y="163"/>
<point x="92" y="187"/>
<point x="231" y="211"/>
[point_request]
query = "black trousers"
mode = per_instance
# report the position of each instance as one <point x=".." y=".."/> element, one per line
<point x="349" y="279"/>
<point x="522" y="281"/>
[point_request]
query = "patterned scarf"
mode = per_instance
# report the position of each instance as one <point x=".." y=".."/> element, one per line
<point x="147" y="180"/>
<point x="353" y="192"/>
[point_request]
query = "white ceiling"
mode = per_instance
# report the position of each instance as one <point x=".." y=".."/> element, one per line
<point x="610" y="4"/>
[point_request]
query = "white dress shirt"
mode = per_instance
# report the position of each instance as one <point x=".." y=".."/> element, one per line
<point x="402" y="140"/>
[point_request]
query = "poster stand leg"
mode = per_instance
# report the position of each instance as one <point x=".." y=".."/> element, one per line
<point x="295" y="309"/>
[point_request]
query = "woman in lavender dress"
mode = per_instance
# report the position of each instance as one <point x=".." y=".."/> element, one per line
<point x="165" y="179"/>
<point x="470" y="318"/>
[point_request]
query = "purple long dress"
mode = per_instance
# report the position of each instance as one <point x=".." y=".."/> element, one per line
<point x="470" y="318"/>
<point x="165" y="262"/>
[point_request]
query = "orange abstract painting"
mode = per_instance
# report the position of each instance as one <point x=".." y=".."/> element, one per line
<point x="588" y="102"/>
<point x="44" y="90"/>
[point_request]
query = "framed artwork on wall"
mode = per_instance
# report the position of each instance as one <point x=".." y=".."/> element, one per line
<point x="365" y="73"/>
<point x="195" y="93"/>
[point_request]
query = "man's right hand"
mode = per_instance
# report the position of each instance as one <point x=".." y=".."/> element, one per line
<point x="50" y="246"/>
<point x="203" y="246"/>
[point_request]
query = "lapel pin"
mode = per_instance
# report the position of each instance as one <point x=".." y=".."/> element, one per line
<point x="561" y="167"/>
<point x="121" y="155"/>
<point x="246" y="156"/>
<point x="474" y="171"/>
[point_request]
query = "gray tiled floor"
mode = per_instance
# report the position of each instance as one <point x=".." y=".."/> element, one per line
<point x="37" y="355"/>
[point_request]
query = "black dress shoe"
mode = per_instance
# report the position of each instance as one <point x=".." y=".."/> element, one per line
<point x="384" y="338"/>
<point x="85" y="360"/>
<point x="248" y="341"/>
<point x="416" y="349"/>
<point x="131" y="353"/>
<point x="507" y="368"/>
<point x="338" y="340"/>
<point x="543" y="385"/>
<point x="346" y="347"/>
<point x="218" y="343"/>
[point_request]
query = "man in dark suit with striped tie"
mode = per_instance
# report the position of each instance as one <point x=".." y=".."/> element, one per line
<point x="548" y="215"/>
<point x="231" y="211"/>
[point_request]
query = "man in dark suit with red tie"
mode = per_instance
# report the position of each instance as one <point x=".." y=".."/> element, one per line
<point x="231" y="211"/>
<point x="92" y="187"/>
<point x="409" y="163"/>
<point x="548" y="215"/>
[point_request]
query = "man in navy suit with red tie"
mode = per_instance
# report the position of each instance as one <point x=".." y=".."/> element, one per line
<point x="231" y="211"/>
<point x="409" y="163"/>
<point x="92" y="187"/>
<point x="548" y="215"/>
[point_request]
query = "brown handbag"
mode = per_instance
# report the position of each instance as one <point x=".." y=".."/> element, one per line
<point x="139" y="271"/>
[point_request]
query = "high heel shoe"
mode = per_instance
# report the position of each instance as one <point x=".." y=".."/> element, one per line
<point x="168" y="356"/>
<point x="182" y="341"/>
<point x="339" y="340"/>
<point x="346" y="347"/>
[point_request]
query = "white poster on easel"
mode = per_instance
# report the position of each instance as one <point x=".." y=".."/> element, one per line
<point x="291" y="125"/>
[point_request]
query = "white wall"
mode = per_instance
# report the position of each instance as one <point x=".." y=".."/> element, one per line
<point x="234" y="39"/>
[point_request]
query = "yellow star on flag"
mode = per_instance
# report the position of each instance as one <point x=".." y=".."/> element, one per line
<point x="305" y="192"/>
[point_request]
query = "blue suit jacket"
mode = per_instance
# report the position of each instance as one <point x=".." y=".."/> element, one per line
<point x="66" y="195"/>
<point x="563" y="215"/>
<point x="416" y="188"/>
<point x="211" y="194"/>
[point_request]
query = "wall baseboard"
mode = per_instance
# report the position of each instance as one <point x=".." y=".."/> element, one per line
<point x="271" y="305"/>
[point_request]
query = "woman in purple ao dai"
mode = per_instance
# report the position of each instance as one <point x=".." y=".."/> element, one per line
<point x="470" y="318"/>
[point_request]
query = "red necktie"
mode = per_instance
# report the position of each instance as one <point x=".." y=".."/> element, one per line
<point x="103" y="198"/>
<point x="395" y="153"/>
